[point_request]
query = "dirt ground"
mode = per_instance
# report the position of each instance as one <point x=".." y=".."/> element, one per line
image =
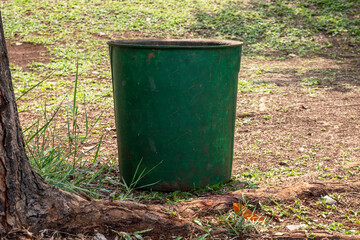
<point x="302" y="133"/>
<point x="298" y="121"/>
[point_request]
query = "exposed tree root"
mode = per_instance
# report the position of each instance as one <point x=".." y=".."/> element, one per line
<point x="212" y="204"/>
<point x="314" y="235"/>
<point x="75" y="215"/>
<point x="100" y="215"/>
<point x="68" y="213"/>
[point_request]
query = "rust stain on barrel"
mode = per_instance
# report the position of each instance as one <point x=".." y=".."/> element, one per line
<point x="150" y="56"/>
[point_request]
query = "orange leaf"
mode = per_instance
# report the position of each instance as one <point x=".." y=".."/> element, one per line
<point x="246" y="213"/>
<point x="236" y="207"/>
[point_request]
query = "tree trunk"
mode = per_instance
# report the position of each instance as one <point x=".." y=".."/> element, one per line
<point x="27" y="201"/>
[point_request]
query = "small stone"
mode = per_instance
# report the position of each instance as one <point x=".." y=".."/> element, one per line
<point x="99" y="236"/>
<point x="18" y="43"/>
<point x="102" y="34"/>
<point x="292" y="55"/>
<point x="330" y="200"/>
<point x="304" y="107"/>
<point x="279" y="234"/>
<point x="112" y="194"/>
<point x="295" y="227"/>
<point x="262" y="107"/>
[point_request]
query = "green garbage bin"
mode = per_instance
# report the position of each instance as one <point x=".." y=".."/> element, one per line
<point x="175" y="104"/>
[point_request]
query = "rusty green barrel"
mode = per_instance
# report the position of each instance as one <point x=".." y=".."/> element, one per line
<point x="175" y="104"/>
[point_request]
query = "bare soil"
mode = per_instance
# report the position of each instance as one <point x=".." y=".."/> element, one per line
<point x="298" y="123"/>
<point x="23" y="54"/>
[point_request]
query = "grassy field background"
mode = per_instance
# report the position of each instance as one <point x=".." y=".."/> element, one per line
<point x="77" y="31"/>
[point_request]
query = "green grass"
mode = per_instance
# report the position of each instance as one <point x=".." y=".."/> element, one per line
<point x="58" y="152"/>
<point x="236" y="224"/>
<point x="77" y="30"/>
<point x="276" y="25"/>
<point x="132" y="192"/>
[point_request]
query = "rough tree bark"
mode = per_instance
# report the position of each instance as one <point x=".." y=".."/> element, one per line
<point x="27" y="201"/>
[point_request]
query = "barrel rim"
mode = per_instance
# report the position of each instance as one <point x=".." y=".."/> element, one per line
<point x="175" y="43"/>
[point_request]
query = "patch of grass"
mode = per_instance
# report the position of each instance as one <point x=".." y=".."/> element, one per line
<point x="130" y="236"/>
<point x="253" y="174"/>
<point x="340" y="227"/>
<point x="310" y="81"/>
<point x="179" y="196"/>
<point x="256" y="86"/>
<point x="289" y="26"/>
<point x="237" y="224"/>
<point x="323" y="202"/>
<point x="59" y="154"/>
<point x="79" y="30"/>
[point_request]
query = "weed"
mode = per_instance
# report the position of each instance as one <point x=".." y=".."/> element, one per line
<point x="179" y="196"/>
<point x="344" y="154"/>
<point x="171" y="212"/>
<point x="337" y="197"/>
<point x="136" y="235"/>
<point x="57" y="157"/>
<point x="300" y="211"/>
<point x="310" y="81"/>
<point x="325" y="204"/>
<point x="266" y="117"/>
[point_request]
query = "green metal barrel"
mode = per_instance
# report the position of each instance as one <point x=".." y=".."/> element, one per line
<point x="175" y="104"/>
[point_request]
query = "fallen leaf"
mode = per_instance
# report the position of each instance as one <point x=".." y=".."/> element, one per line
<point x="246" y="213"/>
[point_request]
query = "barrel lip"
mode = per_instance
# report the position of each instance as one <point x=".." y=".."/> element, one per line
<point x="175" y="43"/>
